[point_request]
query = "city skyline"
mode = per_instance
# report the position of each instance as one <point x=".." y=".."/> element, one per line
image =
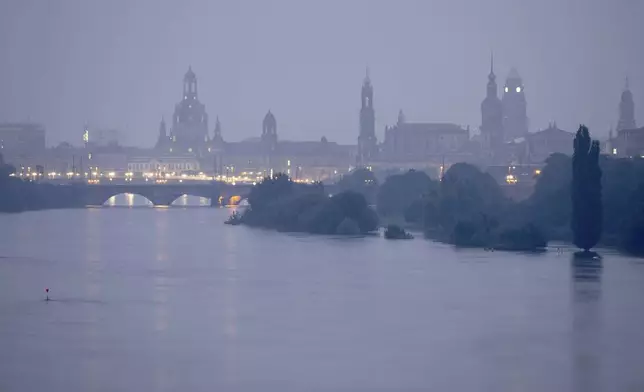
<point x="124" y="81"/>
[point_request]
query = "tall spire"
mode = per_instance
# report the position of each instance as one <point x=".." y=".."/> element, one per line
<point x="163" y="134"/>
<point x="626" y="84"/>
<point x="491" y="63"/>
<point x="217" y="128"/>
<point x="367" y="78"/>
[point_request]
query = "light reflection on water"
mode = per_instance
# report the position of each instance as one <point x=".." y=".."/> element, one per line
<point x="171" y="299"/>
<point x="133" y="200"/>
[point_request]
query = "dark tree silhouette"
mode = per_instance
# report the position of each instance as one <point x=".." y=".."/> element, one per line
<point x="586" y="191"/>
<point x="400" y="191"/>
<point x="362" y="181"/>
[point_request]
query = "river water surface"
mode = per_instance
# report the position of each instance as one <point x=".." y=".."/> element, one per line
<point x="153" y="299"/>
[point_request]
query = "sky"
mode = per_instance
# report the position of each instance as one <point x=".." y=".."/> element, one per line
<point x="119" y="64"/>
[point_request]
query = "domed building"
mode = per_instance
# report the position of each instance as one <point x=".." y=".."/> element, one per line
<point x="190" y="121"/>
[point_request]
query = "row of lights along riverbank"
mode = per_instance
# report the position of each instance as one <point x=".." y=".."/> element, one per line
<point x="96" y="176"/>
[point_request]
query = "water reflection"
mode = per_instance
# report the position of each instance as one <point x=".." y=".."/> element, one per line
<point x="161" y="295"/>
<point x="93" y="291"/>
<point x="191" y="201"/>
<point x="127" y="200"/>
<point x="133" y="200"/>
<point x="586" y="323"/>
<point x="230" y="307"/>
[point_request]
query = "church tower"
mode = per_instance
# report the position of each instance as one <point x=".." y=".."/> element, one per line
<point x="515" y="118"/>
<point x="626" y="110"/>
<point x="269" y="138"/>
<point x="491" y="114"/>
<point x="367" y="142"/>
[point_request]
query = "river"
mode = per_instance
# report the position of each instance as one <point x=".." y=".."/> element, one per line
<point x="170" y="299"/>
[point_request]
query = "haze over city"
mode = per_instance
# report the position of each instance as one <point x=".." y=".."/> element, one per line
<point x="321" y="195"/>
<point x="119" y="64"/>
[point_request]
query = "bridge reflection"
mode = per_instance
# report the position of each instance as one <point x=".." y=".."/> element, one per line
<point x="167" y="194"/>
<point x="134" y="200"/>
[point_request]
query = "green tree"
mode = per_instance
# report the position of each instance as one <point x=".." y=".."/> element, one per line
<point x="632" y="235"/>
<point x="360" y="180"/>
<point x="466" y="194"/>
<point x="400" y="191"/>
<point x="550" y="202"/>
<point x="586" y="191"/>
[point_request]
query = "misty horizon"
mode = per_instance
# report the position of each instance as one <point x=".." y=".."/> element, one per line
<point x="120" y="64"/>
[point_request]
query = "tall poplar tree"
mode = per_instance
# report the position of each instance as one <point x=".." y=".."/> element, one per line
<point x="586" y="191"/>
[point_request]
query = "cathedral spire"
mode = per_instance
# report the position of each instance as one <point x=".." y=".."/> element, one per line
<point x="163" y="134"/>
<point x="492" y="65"/>
<point x="217" y="128"/>
<point x="491" y="79"/>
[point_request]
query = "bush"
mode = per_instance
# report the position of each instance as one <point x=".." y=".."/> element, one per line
<point x="527" y="237"/>
<point x="467" y="233"/>
<point x="347" y="227"/>
<point x="280" y="204"/>
<point x="395" y="232"/>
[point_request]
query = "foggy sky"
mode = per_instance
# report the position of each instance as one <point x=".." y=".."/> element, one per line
<point x="120" y="63"/>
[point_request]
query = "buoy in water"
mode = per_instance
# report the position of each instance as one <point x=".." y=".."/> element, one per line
<point x="47" y="295"/>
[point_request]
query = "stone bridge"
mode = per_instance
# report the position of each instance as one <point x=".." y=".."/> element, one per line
<point x="164" y="194"/>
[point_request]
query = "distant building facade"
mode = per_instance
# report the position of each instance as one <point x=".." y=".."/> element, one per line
<point x="424" y="143"/>
<point x="261" y="156"/>
<point x="175" y="164"/>
<point x="315" y="160"/>
<point x="541" y="144"/>
<point x="100" y="138"/>
<point x="22" y="144"/>
<point x="22" y="138"/>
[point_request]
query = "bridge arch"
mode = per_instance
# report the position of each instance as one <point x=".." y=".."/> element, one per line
<point x="129" y="198"/>
<point x="163" y="194"/>
<point x="204" y="200"/>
